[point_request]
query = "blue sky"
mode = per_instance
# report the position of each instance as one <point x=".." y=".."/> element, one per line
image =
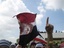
<point x="56" y="17"/>
<point x="9" y="28"/>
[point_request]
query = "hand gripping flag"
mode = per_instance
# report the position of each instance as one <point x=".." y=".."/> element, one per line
<point x="26" y="21"/>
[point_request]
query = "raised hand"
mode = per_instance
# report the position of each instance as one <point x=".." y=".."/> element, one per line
<point x="48" y="27"/>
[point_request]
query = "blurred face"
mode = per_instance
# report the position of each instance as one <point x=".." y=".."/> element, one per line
<point x="32" y="46"/>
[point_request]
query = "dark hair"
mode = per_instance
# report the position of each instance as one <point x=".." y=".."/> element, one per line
<point x="25" y="46"/>
<point x="33" y="43"/>
<point x="38" y="47"/>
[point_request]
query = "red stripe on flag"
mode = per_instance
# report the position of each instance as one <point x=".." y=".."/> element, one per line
<point x="26" y="17"/>
<point x="42" y="41"/>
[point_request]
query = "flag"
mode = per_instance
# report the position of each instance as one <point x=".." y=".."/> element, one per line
<point x="40" y="40"/>
<point x="25" y="39"/>
<point x="26" y="19"/>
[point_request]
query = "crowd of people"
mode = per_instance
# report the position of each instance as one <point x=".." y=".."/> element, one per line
<point x="41" y="45"/>
<point x="7" y="44"/>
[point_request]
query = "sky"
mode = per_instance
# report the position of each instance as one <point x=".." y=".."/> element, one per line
<point x="9" y="28"/>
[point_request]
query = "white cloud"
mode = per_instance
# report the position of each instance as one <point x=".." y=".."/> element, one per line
<point x="40" y="15"/>
<point x="8" y="26"/>
<point x="11" y="7"/>
<point x="41" y="9"/>
<point x="63" y="31"/>
<point x="54" y="4"/>
<point x="48" y="4"/>
<point x="39" y="19"/>
<point x="11" y="39"/>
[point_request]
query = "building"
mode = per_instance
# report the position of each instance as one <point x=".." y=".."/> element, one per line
<point x="57" y="36"/>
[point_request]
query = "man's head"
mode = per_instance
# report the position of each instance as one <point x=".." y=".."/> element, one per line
<point x="32" y="45"/>
<point x="4" y="44"/>
<point x="12" y="46"/>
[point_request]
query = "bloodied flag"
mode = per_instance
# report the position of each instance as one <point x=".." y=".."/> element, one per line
<point x="28" y="29"/>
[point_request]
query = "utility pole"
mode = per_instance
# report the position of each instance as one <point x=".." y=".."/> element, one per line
<point x="49" y="29"/>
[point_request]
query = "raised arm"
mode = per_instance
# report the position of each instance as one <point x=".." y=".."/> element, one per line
<point x="48" y="27"/>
